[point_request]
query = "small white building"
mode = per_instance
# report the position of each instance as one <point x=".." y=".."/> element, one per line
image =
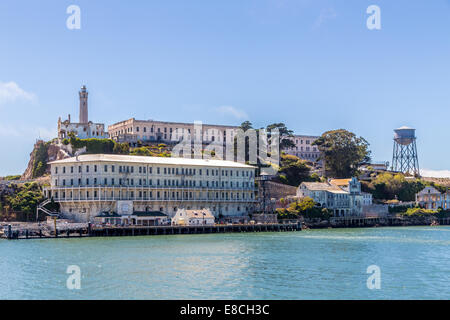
<point x="201" y="217"/>
<point x="431" y="198"/>
<point x="144" y="218"/>
<point x="377" y="166"/>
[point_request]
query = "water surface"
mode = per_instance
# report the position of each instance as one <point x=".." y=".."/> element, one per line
<point x="313" y="264"/>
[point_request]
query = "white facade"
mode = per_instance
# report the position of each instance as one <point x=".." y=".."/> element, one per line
<point x="193" y="218"/>
<point x="342" y="200"/>
<point x="87" y="185"/>
<point x="367" y="199"/>
<point x="304" y="148"/>
<point x="154" y="218"/>
<point x="84" y="129"/>
<point x="133" y="130"/>
<point x="431" y="198"/>
<point x="81" y="130"/>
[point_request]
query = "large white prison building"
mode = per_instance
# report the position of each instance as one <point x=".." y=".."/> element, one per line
<point x="133" y="130"/>
<point x="88" y="185"/>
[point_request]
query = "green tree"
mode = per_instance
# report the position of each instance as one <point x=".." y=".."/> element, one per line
<point x="39" y="170"/>
<point x="25" y="198"/>
<point x="121" y="148"/>
<point x="293" y="171"/>
<point x="246" y="125"/>
<point x="40" y="160"/>
<point x="285" y="135"/>
<point x="388" y="186"/>
<point x="343" y="152"/>
<point x="305" y="207"/>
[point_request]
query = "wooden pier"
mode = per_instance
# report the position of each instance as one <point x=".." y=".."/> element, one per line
<point x="122" y="231"/>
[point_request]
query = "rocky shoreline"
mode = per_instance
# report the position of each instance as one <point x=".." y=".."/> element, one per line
<point x="373" y="222"/>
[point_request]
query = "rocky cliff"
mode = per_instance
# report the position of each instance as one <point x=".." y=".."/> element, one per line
<point x="42" y="154"/>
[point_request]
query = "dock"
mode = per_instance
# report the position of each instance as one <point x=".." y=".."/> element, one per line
<point x="124" y="231"/>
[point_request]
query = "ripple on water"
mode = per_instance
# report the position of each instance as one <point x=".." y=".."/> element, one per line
<point x="312" y="264"/>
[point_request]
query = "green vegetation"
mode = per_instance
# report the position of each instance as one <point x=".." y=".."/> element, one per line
<point x="399" y="209"/>
<point x="92" y="145"/>
<point x="389" y="186"/>
<point x="293" y="171"/>
<point x="343" y="152"/>
<point x="109" y="146"/>
<point x="306" y="208"/>
<point x="121" y="148"/>
<point x="151" y="151"/>
<point x="12" y="178"/>
<point x="418" y="212"/>
<point x="40" y="160"/>
<point x="25" y="198"/>
<point x="285" y="134"/>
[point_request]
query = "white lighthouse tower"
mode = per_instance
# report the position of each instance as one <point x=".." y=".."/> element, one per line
<point x="83" y="129"/>
<point x="83" y="105"/>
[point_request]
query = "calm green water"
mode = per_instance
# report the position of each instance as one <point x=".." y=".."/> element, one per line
<point x="316" y="264"/>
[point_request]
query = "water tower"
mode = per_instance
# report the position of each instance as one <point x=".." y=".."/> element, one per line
<point x="405" y="158"/>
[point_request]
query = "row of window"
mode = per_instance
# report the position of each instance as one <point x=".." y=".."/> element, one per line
<point x="307" y="155"/>
<point x="301" y="141"/>
<point x="177" y="131"/>
<point x="142" y="195"/>
<point x="159" y="182"/>
<point x="159" y="170"/>
<point x="177" y="137"/>
<point x="307" y="149"/>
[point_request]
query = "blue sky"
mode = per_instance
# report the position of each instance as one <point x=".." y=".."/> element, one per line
<point x="312" y="64"/>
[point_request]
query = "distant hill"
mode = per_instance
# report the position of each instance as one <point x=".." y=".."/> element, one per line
<point x="441" y="181"/>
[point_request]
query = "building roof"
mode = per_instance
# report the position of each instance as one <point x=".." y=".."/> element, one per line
<point x="323" y="186"/>
<point x="305" y="136"/>
<point x="149" y="214"/>
<point x="108" y="215"/>
<point x="151" y="160"/>
<point x="340" y="182"/>
<point x="169" y="123"/>
<point x="203" y="213"/>
<point x="432" y="190"/>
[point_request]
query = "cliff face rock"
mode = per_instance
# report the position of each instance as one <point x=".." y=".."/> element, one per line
<point x="56" y="152"/>
<point x="28" y="174"/>
<point x="42" y="154"/>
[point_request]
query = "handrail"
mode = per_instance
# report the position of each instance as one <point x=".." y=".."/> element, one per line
<point x="41" y="207"/>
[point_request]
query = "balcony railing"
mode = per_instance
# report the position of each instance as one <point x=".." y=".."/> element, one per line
<point x="152" y="187"/>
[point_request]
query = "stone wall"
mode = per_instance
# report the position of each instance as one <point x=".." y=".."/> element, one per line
<point x="278" y="190"/>
<point x="376" y="210"/>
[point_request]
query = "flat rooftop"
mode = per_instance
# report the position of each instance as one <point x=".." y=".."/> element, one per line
<point x="323" y="186"/>
<point x="170" y="123"/>
<point x="117" y="158"/>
